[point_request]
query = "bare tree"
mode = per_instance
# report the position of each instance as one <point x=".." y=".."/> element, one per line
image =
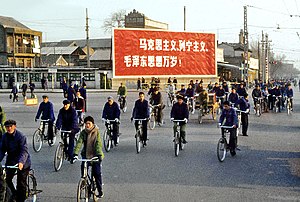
<point x="116" y="19"/>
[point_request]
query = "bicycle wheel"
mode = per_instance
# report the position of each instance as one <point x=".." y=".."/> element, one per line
<point x="221" y="149"/>
<point x="258" y="110"/>
<point x="200" y="114"/>
<point x="169" y="101"/>
<point x="176" y="144"/>
<point x="82" y="191"/>
<point x="152" y="121"/>
<point x="138" y="141"/>
<point x="31" y="187"/>
<point x="54" y="137"/>
<point x="106" y="141"/>
<point x="95" y="192"/>
<point x="37" y="140"/>
<point x="59" y="156"/>
<point x="124" y="107"/>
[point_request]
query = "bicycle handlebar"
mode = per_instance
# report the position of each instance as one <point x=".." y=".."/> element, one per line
<point x="108" y="120"/>
<point x="65" y="131"/>
<point x="178" y="120"/>
<point x="140" y="119"/>
<point x="78" y="110"/>
<point x="226" y="127"/>
<point x="11" y="167"/>
<point x="44" y="120"/>
<point x="153" y="106"/>
<point x="94" y="159"/>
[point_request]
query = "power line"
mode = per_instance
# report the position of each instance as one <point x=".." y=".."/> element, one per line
<point x="286" y="7"/>
<point x="269" y="10"/>
<point x="297" y="6"/>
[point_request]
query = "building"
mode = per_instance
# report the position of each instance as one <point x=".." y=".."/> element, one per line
<point x="135" y="19"/>
<point x="19" y="45"/>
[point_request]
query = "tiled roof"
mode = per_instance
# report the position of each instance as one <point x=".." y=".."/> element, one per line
<point x="94" y="43"/>
<point x="101" y="54"/>
<point x="11" y="23"/>
<point x="58" y="50"/>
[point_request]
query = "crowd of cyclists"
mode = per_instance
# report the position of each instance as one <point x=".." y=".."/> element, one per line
<point x="184" y="102"/>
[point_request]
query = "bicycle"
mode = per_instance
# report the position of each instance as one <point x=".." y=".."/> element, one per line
<point x="39" y="135"/>
<point x="223" y="146"/>
<point x="153" y="116"/>
<point x="108" y="135"/>
<point x="87" y="184"/>
<point x="258" y="106"/>
<point x="220" y="100"/>
<point x="276" y="103"/>
<point x="122" y="103"/>
<point x="170" y="99"/>
<point x="190" y="103"/>
<point x="139" y="135"/>
<point x="80" y="115"/>
<point x="60" y="154"/>
<point x="31" y="187"/>
<point x="178" y="145"/>
<point x="288" y="105"/>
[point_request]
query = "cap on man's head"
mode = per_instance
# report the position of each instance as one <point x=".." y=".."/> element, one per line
<point x="110" y="98"/>
<point x="65" y="102"/>
<point x="44" y="96"/>
<point x="10" y="122"/>
<point x="179" y="97"/>
<point x="155" y="89"/>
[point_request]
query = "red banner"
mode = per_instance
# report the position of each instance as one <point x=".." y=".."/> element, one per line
<point x="148" y="52"/>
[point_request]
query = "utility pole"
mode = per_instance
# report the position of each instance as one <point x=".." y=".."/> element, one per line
<point x="259" y="61"/>
<point x="87" y="40"/>
<point x="184" y="18"/>
<point x="267" y="58"/>
<point x="246" y="47"/>
<point x="262" y="58"/>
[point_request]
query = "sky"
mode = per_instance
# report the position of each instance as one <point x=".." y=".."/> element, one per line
<point x="59" y="20"/>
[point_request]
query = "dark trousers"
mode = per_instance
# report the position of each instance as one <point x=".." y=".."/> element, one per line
<point x="232" y="138"/>
<point x="115" y="128"/>
<point x="244" y="120"/>
<point x="20" y="192"/>
<point x="96" y="172"/>
<point x="50" y="129"/>
<point x="144" y="123"/>
<point x="69" y="148"/>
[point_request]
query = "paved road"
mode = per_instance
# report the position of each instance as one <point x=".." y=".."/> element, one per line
<point x="266" y="169"/>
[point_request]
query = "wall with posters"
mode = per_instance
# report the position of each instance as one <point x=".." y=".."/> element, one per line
<point x="155" y="53"/>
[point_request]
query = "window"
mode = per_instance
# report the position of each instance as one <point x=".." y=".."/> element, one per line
<point x="75" y="76"/>
<point x="59" y="76"/>
<point x="89" y="76"/>
<point x="7" y="76"/>
<point x="35" y="77"/>
<point x="22" y="77"/>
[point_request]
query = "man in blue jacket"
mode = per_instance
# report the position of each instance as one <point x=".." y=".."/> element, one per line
<point x="67" y="120"/>
<point x="46" y="109"/>
<point x="15" y="144"/>
<point x="229" y="118"/>
<point x="141" y="111"/>
<point x="244" y="106"/>
<point x="180" y="112"/>
<point x="111" y="111"/>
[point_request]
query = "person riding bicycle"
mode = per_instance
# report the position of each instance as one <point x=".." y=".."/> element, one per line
<point x="190" y="93"/>
<point x="111" y="111"/>
<point x="46" y="109"/>
<point x="78" y="104"/>
<point x="256" y="94"/>
<point x="67" y="120"/>
<point x="180" y="112"/>
<point x="122" y="93"/>
<point x="290" y="94"/>
<point x="276" y="93"/>
<point x="244" y="106"/>
<point x="156" y="99"/>
<point x="202" y="99"/>
<point x="233" y="97"/>
<point x="141" y="111"/>
<point x="266" y="96"/>
<point x="90" y="139"/>
<point x="182" y="90"/>
<point x="171" y="89"/>
<point x="229" y="118"/>
<point x="220" y="94"/>
<point x="241" y="90"/>
<point x="14" y="143"/>
<point x="71" y="93"/>
<point x="2" y="121"/>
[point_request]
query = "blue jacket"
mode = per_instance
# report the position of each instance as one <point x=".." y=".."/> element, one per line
<point x="241" y="91"/>
<point x="229" y="117"/>
<point x="67" y="119"/>
<point x="141" y="109"/>
<point x="233" y="97"/>
<point x="82" y="91"/>
<point x="46" y="109"/>
<point x="71" y="94"/>
<point x="17" y="149"/>
<point x="189" y="92"/>
<point x="111" y="112"/>
<point x="180" y="111"/>
<point x="243" y="103"/>
<point x="289" y="93"/>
